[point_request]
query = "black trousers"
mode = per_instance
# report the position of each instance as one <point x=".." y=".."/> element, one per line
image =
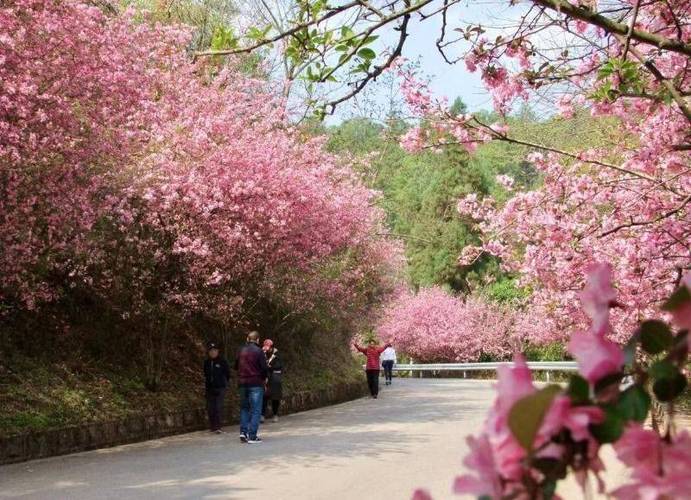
<point x="275" y="406"/>
<point x="373" y="381"/>
<point x="388" y="369"/>
<point x="214" y="407"/>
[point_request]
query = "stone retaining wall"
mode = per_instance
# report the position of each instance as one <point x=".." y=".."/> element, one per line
<point x="32" y="445"/>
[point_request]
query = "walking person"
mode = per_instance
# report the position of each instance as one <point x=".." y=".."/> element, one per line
<point x="216" y="377"/>
<point x="388" y="360"/>
<point x="372" y="352"/>
<point x="274" y="385"/>
<point x="252" y="372"/>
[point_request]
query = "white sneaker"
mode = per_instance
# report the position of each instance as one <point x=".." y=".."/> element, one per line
<point x="275" y="419"/>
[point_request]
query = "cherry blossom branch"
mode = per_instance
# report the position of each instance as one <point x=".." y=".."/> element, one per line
<point x="648" y="222"/>
<point x="504" y="137"/>
<point x="678" y="99"/>
<point x="595" y="18"/>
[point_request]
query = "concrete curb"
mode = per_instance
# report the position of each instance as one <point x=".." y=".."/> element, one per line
<point x="42" y="444"/>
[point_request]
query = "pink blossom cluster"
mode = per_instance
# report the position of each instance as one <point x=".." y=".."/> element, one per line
<point x="433" y="325"/>
<point x="132" y="173"/>
<point x="581" y="214"/>
<point x="566" y="436"/>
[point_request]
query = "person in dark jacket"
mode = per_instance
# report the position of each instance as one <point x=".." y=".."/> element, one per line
<point x="252" y="372"/>
<point x="274" y="386"/>
<point x="216" y="377"/>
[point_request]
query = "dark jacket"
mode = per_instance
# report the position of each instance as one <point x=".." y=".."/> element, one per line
<point x="216" y="373"/>
<point x="274" y="387"/>
<point x="251" y="365"/>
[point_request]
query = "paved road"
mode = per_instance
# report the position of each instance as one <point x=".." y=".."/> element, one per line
<point x="412" y="436"/>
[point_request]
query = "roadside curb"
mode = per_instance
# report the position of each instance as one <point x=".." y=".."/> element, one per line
<point x="62" y="441"/>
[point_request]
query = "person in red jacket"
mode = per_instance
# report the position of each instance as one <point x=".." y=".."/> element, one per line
<point x="372" y="352"/>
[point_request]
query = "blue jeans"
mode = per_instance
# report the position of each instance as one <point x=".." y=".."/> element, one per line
<point x="251" y="398"/>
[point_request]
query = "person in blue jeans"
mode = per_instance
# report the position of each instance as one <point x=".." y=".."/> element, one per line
<point x="252" y="373"/>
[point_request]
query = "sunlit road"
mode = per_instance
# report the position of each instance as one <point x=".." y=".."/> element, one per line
<point x="412" y="436"/>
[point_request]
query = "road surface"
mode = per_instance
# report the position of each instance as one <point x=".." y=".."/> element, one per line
<point x="412" y="436"/>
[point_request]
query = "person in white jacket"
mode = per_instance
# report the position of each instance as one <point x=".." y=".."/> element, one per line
<point x="388" y="359"/>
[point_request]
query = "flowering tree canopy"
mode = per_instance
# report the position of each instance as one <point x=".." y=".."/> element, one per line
<point x="133" y="174"/>
<point x="433" y="325"/>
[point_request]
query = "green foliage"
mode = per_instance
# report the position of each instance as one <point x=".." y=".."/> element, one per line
<point x="505" y="290"/>
<point x="527" y="414"/>
<point x="211" y="20"/>
<point x="548" y="352"/>
<point x="634" y="403"/>
<point x="655" y="336"/>
<point x="420" y="193"/>
<point x="458" y="107"/>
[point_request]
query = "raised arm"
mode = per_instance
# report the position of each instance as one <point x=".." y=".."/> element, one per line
<point x="360" y="348"/>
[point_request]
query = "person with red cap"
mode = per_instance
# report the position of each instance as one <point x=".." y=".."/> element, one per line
<point x="372" y="353"/>
<point x="274" y="384"/>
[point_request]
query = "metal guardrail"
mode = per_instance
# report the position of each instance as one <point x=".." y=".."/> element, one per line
<point x="561" y="366"/>
<point x="546" y="366"/>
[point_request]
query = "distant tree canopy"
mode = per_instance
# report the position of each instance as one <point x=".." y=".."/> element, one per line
<point x="420" y="192"/>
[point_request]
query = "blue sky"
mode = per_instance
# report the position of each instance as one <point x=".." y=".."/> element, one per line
<point x="446" y="80"/>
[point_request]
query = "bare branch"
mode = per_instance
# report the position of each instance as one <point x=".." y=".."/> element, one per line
<point x="631" y="28"/>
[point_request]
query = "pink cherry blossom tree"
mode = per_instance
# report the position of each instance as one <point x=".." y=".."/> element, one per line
<point x="433" y="325"/>
<point x="163" y="187"/>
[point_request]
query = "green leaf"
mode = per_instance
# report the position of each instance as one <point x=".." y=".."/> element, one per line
<point x="605" y="70"/>
<point x="679" y="298"/>
<point x="347" y="32"/>
<point x="578" y="390"/>
<point x="655" y="336"/>
<point x="526" y="415"/>
<point x="610" y="429"/>
<point x="549" y="488"/>
<point x="669" y="382"/>
<point x="370" y="39"/>
<point x="667" y="389"/>
<point x="341" y="48"/>
<point x="662" y="369"/>
<point x="366" y="53"/>
<point x="634" y="403"/>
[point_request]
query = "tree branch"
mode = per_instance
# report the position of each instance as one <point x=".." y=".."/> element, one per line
<point x="282" y="34"/>
<point x="648" y="222"/>
<point x="678" y="99"/>
<point x="592" y="17"/>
